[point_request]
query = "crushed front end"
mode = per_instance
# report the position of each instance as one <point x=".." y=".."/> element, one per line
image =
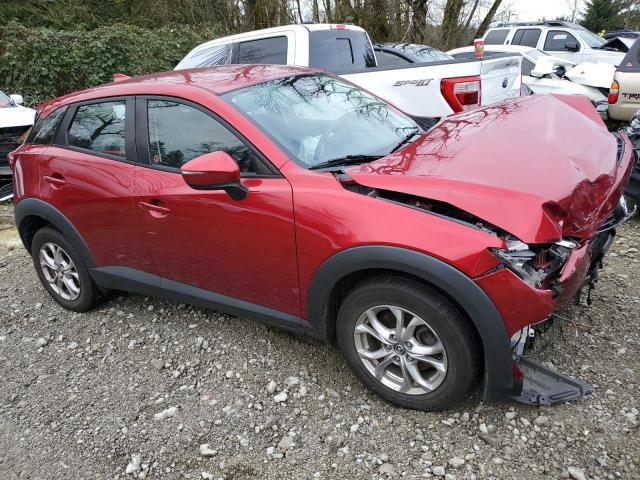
<point x="531" y="285"/>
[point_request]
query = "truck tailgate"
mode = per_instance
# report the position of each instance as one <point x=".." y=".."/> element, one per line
<point x="500" y="79"/>
<point x="416" y="89"/>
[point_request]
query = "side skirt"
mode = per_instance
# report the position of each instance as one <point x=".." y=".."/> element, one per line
<point x="136" y="281"/>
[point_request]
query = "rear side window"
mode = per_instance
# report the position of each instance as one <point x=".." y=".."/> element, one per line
<point x="45" y="128"/>
<point x="386" y="59"/>
<point x="216" y="55"/>
<point x="527" y="37"/>
<point x="266" y="50"/>
<point x="100" y="127"/>
<point x="179" y="133"/>
<point x="340" y="50"/>
<point x="496" y="37"/>
<point x="557" y="39"/>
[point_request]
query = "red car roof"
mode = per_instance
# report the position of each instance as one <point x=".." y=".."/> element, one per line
<point x="217" y="80"/>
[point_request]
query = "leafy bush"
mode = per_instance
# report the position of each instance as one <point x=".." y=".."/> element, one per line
<point x="42" y="63"/>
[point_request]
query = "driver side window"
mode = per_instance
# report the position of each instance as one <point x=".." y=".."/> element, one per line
<point x="557" y="39"/>
<point x="178" y="133"/>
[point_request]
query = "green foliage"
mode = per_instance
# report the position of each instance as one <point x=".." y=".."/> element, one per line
<point x="41" y="63"/>
<point x="601" y="15"/>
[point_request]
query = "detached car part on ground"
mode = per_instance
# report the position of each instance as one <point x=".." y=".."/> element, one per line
<point x="15" y="120"/>
<point x="425" y="91"/>
<point x="292" y="196"/>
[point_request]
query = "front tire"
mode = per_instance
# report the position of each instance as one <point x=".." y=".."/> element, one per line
<point x="62" y="272"/>
<point x="408" y="344"/>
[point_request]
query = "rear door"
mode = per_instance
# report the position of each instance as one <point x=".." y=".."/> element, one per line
<point x="242" y="249"/>
<point x="87" y="174"/>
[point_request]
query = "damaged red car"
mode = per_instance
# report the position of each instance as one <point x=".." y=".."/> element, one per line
<point x="292" y="196"/>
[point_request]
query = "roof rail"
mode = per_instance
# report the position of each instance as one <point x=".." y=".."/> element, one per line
<point x="546" y="23"/>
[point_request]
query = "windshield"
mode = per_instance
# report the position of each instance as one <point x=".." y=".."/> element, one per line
<point x="5" y="101"/>
<point x="590" y="38"/>
<point x="317" y="118"/>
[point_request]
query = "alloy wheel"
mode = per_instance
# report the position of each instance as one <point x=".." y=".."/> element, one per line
<point x="59" y="271"/>
<point x="400" y="349"/>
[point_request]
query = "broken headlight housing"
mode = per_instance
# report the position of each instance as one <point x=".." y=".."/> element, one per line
<point x="536" y="265"/>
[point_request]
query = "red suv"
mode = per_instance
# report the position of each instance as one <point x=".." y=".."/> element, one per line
<point x="292" y="196"/>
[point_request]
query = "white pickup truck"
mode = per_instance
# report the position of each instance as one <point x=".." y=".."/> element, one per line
<point x="423" y="90"/>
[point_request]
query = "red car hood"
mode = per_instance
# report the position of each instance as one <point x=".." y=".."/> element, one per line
<point x="541" y="167"/>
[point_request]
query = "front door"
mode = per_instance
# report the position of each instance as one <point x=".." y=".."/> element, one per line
<point x="241" y="249"/>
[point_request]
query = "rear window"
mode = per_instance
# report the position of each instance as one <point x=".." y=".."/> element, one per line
<point x="266" y="50"/>
<point x="631" y="61"/>
<point x="386" y="59"/>
<point x="527" y="37"/>
<point x="496" y="37"/>
<point x="340" y="50"/>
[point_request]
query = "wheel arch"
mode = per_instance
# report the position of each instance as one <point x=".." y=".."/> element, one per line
<point x="337" y="273"/>
<point x="32" y="214"/>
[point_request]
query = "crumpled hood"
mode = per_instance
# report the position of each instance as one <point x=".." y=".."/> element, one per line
<point x="16" y="116"/>
<point x="592" y="74"/>
<point x="540" y="167"/>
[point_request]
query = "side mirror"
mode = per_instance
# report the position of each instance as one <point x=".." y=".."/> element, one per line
<point x="17" y="99"/>
<point x="215" y="171"/>
<point x="572" y="46"/>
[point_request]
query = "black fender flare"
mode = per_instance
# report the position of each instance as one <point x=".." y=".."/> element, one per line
<point x="498" y="364"/>
<point x="39" y="208"/>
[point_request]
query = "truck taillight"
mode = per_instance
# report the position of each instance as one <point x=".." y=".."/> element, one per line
<point x="614" y="92"/>
<point x="462" y="93"/>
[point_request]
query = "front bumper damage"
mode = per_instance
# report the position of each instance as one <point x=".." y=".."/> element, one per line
<point x="535" y="383"/>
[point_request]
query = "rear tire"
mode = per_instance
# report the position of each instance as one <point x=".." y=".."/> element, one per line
<point x="423" y="354"/>
<point x="62" y="272"/>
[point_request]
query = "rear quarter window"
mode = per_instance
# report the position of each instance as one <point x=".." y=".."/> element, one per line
<point x="216" y="55"/>
<point x="45" y="128"/>
<point x="496" y="37"/>
<point x="265" y="50"/>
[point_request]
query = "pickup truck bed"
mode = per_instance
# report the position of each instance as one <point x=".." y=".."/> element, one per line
<point x="426" y="90"/>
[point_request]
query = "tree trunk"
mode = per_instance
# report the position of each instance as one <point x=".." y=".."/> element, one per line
<point x="316" y="11"/>
<point x="450" y="23"/>
<point x="471" y="14"/>
<point x="487" y="19"/>
<point x="418" y="21"/>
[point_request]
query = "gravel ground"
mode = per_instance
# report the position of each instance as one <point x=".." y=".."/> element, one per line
<point x="149" y="389"/>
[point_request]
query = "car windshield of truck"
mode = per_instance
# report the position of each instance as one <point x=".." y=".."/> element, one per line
<point x="5" y="101"/>
<point x="590" y="38"/>
<point x="316" y="118"/>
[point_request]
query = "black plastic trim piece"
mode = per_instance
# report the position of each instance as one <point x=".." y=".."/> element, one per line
<point x="33" y="206"/>
<point x="499" y="384"/>
<point x="137" y="281"/>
